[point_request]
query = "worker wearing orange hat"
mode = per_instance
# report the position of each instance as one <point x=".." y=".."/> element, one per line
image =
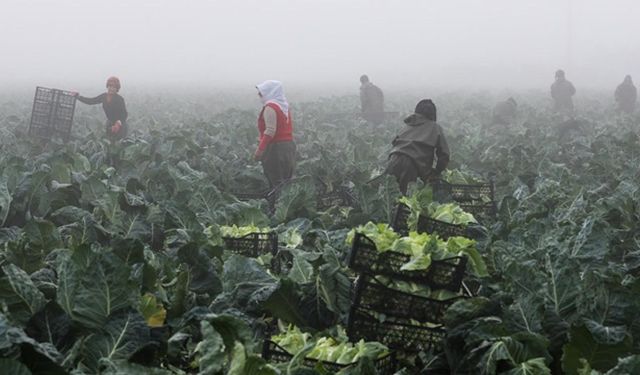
<point x="114" y="108"/>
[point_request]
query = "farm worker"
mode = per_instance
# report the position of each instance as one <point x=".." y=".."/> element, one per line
<point x="372" y="101"/>
<point x="114" y="107"/>
<point x="504" y="112"/>
<point x="562" y="92"/>
<point x="626" y="95"/>
<point x="276" y="149"/>
<point x="416" y="147"/>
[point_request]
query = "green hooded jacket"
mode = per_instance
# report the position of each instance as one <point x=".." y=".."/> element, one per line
<point x="422" y="140"/>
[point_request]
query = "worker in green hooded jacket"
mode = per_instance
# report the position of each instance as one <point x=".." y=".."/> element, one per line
<point x="416" y="148"/>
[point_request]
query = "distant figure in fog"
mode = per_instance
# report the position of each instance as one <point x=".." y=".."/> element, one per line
<point x="626" y="95"/>
<point x="372" y="101"/>
<point x="504" y="113"/>
<point x="276" y="149"/>
<point x="114" y="108"/>
<point x="416" y="147"/>
<point x="562" y="92"/>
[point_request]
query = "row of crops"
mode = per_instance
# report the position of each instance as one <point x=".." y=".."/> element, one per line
<point x="165" y="254"/>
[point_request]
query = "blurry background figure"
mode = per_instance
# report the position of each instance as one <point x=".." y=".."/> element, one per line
<point x="114" y="108"/>
<point x="416" y="147"/>
<point x="504" y="113"/>
<point x="626" y="95"/>
<point x="372" y="101"/>
<point x="276" y="149"/>
<point x="562" y="92"/>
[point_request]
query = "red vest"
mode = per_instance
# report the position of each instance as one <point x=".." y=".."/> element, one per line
<point x="284" y="129"/>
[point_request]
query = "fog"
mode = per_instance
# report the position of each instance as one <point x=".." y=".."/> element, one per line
<point x="319" y="44"/>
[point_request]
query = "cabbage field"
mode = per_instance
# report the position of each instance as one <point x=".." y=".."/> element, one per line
<point x="112" y="257"/>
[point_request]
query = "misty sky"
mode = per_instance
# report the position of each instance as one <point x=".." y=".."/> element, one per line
<point x="447" y="44"/>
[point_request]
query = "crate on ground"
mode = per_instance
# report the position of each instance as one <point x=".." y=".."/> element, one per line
<point x="253" y="244"/>
<point x="465" y="193"/>
<point x="427" y="225"/>
<point x="477" y="199"/>
<point x="373" y="295"/>
<point x="441" y="274"/>
<point x="52" y="113"/>
<point x="398" y="334"/>
<point x="272" y="352"/>
<point x="443" y="229"/>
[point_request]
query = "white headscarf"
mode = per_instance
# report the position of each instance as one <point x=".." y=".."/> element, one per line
<point x="273" y="92"/>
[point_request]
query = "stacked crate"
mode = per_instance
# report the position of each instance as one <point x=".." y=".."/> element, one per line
<point x="403" y="321"/>
<point x="477" y="199"/>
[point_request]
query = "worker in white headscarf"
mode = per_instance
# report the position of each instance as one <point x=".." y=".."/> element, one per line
<point x="276" y="149"/>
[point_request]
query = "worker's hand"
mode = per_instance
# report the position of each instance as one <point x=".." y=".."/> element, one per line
<point x="258" y="156"/>
<point x="74" y="93"/>
<point x="115" y="129"/>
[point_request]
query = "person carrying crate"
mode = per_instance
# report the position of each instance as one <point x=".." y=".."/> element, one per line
<point x="276" y="149"/>
<point x="114" y="108"/>
<point x="416" y="147"/>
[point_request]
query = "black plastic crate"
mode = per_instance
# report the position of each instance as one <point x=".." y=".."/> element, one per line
<point x="465" y="193"/>
<point x="469" y="197"/>
<point x="253" y="244"/>
<point x="427" y="225"/>
<point x="372" y="295"/>
<point x="272" y="352"/>
<point x="444" y="230"/>
<point x="402" y="335"/>
<point x="442" y="274"/>
<point x="52" y="113"/>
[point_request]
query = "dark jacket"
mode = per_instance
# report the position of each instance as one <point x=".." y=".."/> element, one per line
<point x="422" y="140"/>
<point x="115" y="110"/>
<point x="372" y="102"/>
<point x="626" y="96"/>
<point x="562" y="92"/>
